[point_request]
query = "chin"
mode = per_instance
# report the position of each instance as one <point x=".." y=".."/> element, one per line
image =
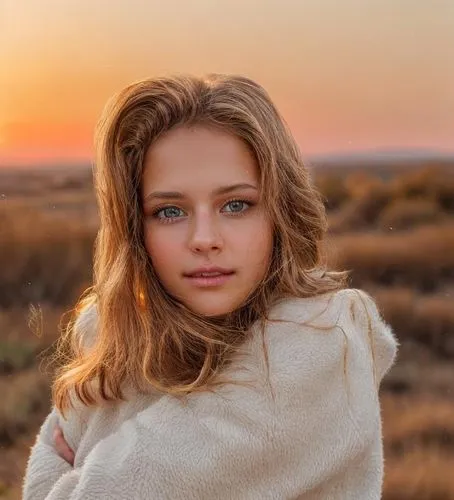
<point x="213" y="310"/>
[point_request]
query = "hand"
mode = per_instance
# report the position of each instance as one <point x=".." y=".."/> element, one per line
<point x="62" y="446"/>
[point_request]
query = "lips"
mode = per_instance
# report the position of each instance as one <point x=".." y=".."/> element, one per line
<point x="206" y="275"/>
<point x="208" y="272"/>
<point x="214" y="277"/>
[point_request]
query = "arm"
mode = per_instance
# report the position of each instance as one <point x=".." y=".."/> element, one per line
<point x="180" y="457"/>
<point x="44" y="466"/>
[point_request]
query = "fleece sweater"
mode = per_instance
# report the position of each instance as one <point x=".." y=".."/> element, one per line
<point x="310" y="430"/>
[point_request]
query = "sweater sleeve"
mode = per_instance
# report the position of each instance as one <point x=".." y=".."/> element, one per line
<point x="44" y="466"/>
<point x="379" y="335"/>
<point x="241" y="445"/>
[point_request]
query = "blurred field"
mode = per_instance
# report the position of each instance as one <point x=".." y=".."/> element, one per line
<point x="393" y="226"/>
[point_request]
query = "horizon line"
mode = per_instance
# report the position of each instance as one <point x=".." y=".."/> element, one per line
<point x="360" y="154"/>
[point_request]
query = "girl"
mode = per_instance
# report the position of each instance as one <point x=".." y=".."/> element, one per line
<point x="215" y="357"/>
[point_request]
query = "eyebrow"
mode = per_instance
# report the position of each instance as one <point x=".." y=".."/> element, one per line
<point x="177" y="195"/>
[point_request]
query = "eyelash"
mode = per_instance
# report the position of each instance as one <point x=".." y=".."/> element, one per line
<point x="166" y="220"/>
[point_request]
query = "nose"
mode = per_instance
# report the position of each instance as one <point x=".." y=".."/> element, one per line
<point x="205" y="235"/>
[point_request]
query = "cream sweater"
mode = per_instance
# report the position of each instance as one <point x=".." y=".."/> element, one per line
<point x="320" y="437"/>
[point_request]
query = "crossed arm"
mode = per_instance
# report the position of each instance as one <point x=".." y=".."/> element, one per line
<point x="146" y="458"/>
<point x="213" y="448"/>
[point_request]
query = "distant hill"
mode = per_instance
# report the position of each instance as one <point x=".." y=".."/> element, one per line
<point x="384" y="156"/>
<point x="383" y="162"/>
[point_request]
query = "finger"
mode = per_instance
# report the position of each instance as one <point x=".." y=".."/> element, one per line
<point x="65" y="451"/>
<point x="62" y="446"/>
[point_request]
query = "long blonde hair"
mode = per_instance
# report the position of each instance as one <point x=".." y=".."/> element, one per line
<point x="143" y="335"/>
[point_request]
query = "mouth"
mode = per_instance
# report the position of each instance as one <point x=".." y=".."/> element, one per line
<point x="209" y="278"/>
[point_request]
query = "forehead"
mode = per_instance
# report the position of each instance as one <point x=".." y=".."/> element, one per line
<point x="198" y="157"/>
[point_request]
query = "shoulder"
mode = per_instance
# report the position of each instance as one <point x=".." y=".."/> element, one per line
<point x="307" y="309"/>
<point x="329" y="322"/>
<point x="363" y="314"/>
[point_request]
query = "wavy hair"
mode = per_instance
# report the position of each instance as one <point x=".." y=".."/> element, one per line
<point x="143" y="336"/>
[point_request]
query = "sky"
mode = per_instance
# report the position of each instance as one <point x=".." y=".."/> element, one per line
<point x="348" y="76"/>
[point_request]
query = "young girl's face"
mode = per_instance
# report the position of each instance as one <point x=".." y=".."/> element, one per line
<point x="200" y="191"/>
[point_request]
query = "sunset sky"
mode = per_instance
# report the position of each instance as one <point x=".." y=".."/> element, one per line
<point x="348" y="76"/>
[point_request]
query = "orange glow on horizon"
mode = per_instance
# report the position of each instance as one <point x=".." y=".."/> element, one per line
<point x="43" y="142"/>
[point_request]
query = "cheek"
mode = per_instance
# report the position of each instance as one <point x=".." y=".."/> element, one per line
<point x="258" y="244"/>
<point x="161" y="249"/>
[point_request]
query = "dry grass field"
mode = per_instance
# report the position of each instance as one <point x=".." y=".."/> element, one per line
<point x="395" y="232"/>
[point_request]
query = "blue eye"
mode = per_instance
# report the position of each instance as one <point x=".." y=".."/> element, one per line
<point x="237" y="206"/>
<point x="168" y="213"/>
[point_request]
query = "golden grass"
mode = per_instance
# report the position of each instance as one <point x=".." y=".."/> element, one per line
<point x="48" y="257"/>
<point x="427" y="319"/>
<point x="419" y="448"/>
<point x="420" y="475"/>
<point x="422" y="258"/>
<point x="405" y="214"/>
<point x="363" y="199"/>
<point x="404" y="420"/>
<point x="25" y="401"/>
<point x="13" y="461"/>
